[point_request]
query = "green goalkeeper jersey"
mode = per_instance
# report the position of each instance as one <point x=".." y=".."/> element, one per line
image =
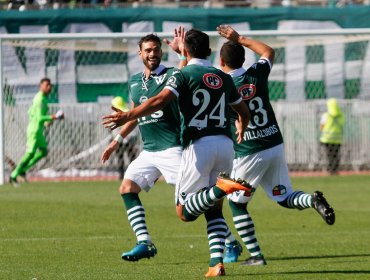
<point x="263" y="131"/>
<point x="204" y="95"/>
<point x="38" y="114"/>
<point x="160" y="130"/>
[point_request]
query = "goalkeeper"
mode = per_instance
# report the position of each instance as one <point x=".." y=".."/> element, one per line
<point x="36" y="141"/>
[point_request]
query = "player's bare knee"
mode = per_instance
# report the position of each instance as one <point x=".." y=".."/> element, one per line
<point x="128" y="186"/>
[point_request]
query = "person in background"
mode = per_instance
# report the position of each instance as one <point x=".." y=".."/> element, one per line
<point x="331" y="127"/>
<point x="36" y="141"/>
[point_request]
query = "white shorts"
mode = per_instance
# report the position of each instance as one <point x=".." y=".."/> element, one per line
<point x="149" y="166"/>
<point x="201" y="163"/>
<point x="268" y="169"/>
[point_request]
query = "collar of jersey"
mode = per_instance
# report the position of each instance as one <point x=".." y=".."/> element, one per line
<point x="201" y="62"/>
<point x="158" y="70"/>
<point x="237" y="72"/>
<point x="155" y="72"/>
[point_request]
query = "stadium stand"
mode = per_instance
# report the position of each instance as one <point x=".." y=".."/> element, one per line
<point x="57" y="4"/>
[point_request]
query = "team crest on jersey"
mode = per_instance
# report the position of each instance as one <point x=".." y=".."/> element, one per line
<point x="160" y="79"/>
<point x="212" y="80"/>
<point x="172" y="82"/>
<point x="143" y="99"/>
<point x="279" y="190"/>
<point x="247" y="91"/>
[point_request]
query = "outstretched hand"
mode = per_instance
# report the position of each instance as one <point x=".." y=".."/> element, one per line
<point x="228" y="32"/>
<point x="114" y="145"/>
<point x="177" y="43"/>
<point x="116" y="119"/>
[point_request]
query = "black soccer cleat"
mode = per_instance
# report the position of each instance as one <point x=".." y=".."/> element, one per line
<point x="14" y="182"/>
<point x="23" y="177"/>
<point x="323" y="208"/>
<point x="254" y="261"/>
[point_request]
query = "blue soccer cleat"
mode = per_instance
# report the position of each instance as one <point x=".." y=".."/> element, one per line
<point x="232" y="252"/>
<point x="140" y="251"/>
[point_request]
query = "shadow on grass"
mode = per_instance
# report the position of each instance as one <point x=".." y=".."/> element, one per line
<point x="313" y="272"/>
<point x="317" y="257"/>
<point x="303" y="272"/>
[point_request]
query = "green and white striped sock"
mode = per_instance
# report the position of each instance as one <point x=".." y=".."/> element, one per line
<point x="299" y="200"/>
<point x="216" y="231"/>
<point x="200" y="202"/>
<point x="245" y="227"/>
<point x="136" y="216"/>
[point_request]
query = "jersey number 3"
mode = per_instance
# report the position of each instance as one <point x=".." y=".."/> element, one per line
<point x="259" y="114"/>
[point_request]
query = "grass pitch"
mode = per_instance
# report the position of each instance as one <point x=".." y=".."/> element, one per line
<point x="79" y="230"/>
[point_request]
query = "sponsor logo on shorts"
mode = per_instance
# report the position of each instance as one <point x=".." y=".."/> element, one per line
<point x="212" y="80"/>
<point x="279" y="190"/>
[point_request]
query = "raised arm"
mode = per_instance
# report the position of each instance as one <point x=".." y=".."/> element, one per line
<point x="150" y="106"/>
<point x="258" y="47"/>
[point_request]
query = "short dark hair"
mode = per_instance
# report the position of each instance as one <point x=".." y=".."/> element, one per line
<point x="150" y="38"/>
<point x="45" y="80"/>
<point x="233" y="54"/>
<point x="197" y="44"/>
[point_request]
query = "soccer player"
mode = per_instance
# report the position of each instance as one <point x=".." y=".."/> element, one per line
<point x="260" y="158"/>
<point x="36" y="141"/>
<point x="205" y="95"/>
<point x="160" y="133"/>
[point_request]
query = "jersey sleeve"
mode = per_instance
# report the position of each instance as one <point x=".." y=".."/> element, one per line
<point x="176" y="82"/>
<point x="263" y="67"/>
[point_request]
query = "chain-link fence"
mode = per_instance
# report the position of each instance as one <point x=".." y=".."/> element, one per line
<point x="89" y="70"/>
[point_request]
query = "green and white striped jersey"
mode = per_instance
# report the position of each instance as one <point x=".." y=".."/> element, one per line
<point x="263" y="131"/>
<point x="204" y="94"/>
<point x="160" y="130"/>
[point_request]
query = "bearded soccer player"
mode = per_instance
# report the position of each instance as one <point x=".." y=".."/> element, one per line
<point x="260" y="158"/>
<point x="36" y="141"/>
<point x="160" y="133"/>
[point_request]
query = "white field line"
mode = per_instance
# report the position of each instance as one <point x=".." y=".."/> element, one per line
<point x="183" y="236"/>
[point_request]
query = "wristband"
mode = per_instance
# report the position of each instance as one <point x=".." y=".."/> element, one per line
<point x="119" y="138"/>
<point x="181" y="57"/>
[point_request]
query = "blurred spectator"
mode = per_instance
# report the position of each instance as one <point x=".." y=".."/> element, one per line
<point x="331" y="127"/>
<point x="18" y="4"/>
